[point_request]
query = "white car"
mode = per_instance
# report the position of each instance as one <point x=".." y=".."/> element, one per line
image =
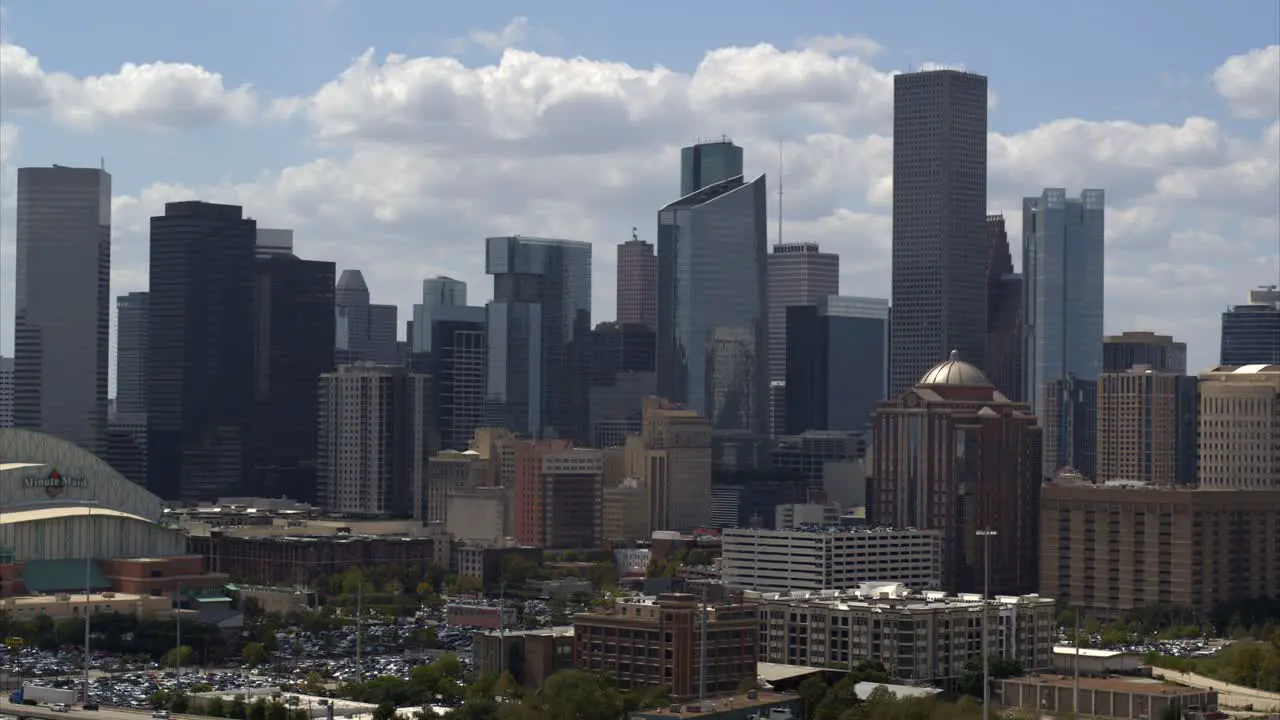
<point x="61" y="707"/>
<point x="160" y="715"/>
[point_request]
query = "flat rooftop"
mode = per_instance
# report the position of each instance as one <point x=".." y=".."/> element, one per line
<point x="1140" y="685"/>
<point x="715" y="706"/>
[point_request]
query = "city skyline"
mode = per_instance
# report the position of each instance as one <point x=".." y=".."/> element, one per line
<point x="1161" y="198"/>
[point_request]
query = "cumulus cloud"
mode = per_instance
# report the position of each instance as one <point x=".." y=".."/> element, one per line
<point x="1250" y="83"/>
<point x="428" y="155"/>
<point x="839" y="44"/>
<point x="147" y="96"/>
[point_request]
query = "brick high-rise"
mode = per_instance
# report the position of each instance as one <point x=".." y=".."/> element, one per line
<point x="637" y="283"/>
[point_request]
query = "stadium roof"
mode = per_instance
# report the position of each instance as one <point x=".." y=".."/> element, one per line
<point x="53" y="513"/>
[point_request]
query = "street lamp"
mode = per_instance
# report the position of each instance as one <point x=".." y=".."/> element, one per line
<point x="88" y="590"/>
<point x="986" y="536"/>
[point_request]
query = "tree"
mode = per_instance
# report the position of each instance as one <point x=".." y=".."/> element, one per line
<point x="183" y="654"/>
<point x="384" y="711"/>
<point x="577" y="695"/>
<point x="254" y="653"/>
<point x="517" y="570"/>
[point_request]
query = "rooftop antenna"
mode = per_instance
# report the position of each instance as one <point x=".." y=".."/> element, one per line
<point x="779" y="191"/>
<point x="102" y="163"/>
<point x="634" y="236"/>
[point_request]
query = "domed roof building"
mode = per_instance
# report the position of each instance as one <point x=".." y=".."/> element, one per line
<point x="955" y="454"/>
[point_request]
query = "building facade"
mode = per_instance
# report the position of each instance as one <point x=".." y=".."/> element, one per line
<point x="637" y="286"/>
<point x="294" y="346"/>
<point x="1003" y="353"/>
<point x="672" y="459"/>
<point x="708" y="163"/>
<point x="1070" y="422"/>
<point x="1111" y="548"/>
<point x="6" y="392"/>
<point x="364" y="332"/>
<point x="559" y="495"/>
<point x="829" y="559"/>
<point x="1062" y="271"/>
<point x="836" y="359"/>
<point x="939" y="221"/>
<point x="1251" y="332"/>
<point x="1161" y="352"/>
<point x="798" y="274"/>
<point x="541" y="302"/>
<point x="375" y="442"/>
<point x="131" y="353"/>
<point x="458" y="366"/>
<point x="614" y="372"/>
<point x="954" y="455"/>
<point x="62" y="303"/>
<point x="201" y="334"/>
<point x="711" y="304"/>
<point x="437" y="292"/>
<point x="1146" y="427"/>
<point x="1239" y="428"/>
<point x="659" y="642"/>
<point x="919" y="637"/>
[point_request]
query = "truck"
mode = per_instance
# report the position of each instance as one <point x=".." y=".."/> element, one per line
<point x="30" y="693"/>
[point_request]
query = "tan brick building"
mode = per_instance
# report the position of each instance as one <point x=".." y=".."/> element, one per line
<point x="1111" y="548"/>
<point x="1239" y="427"/>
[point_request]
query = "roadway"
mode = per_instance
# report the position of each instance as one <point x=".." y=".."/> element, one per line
<point x="44" y="712"/>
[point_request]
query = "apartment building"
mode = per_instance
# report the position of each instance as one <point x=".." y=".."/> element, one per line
<point x="658" y="642"/>
<point x="1108" y="549"/>
<point x="559" y="492"/>
<point x="919" y="637"/>
<point x="830" y="558"/>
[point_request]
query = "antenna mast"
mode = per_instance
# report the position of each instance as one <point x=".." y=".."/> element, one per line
<point x="779" y="191"/>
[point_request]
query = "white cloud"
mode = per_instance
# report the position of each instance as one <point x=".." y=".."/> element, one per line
<point x="1250" y="83"/>
<point x="519" y="32"/>
<point x="428" y="155"/>
<point x="843" y="44"/>
<point x="148" y="96"/>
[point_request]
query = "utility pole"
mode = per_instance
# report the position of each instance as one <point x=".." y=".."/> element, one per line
<point x="177" y="647"/>
<point x="702" y="655"/>
<point x="360" y="629"/>
<point x="986" y="536"/>
<point x="88" y="602"/>
<point x="1075" y="693"/>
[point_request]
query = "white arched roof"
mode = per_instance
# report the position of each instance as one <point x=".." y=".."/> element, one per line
<point x="39" y="472"/>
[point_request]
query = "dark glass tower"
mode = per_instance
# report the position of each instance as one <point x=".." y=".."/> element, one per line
<point x="1161" y="352"/>
<point x="1251" y="333"/>
<point x="712" y="320"/>
<point x="131" y="354"/>
<point x="837" y="353"/>
<point x="200" y="361"/>
<point x="939" y="221"/>
<point x="294" y="346"/>
<point x="1004" y="313"/>
<point x="707" y="164"/>
<point x="457" y="364"/>
<point x="613" y="371"/>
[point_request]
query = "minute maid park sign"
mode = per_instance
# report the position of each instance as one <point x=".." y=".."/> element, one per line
<point x="54" y="483"/>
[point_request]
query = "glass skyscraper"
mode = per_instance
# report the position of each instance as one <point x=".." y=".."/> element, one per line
<point x="1251" y="332"/>
<point x="1063" y="286"/>
<point x="712" y="322"/>
<point x="62" y="312"/>
<point x="541" y="302"/>
<point x="707" y="164"/>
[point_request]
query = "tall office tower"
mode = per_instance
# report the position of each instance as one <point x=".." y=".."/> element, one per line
<point x="954" y="454"/>
<point x="62" y="308"/>
<point x="708" y="163"/>
<point x="374" y="441"/>
<point x="1004" y="313"/>
<point x="614" y="370"/>
<point x="939" y="221"/>
<point x="437" y="292"/>
<point x="1147" y="426"/>
<point x="6" y="392"/>
<point x="131" y="353"/>
<point x="1070" y="422"/>
<point x="1161" y="352"/>
<point x="836" y="355"/>
<point x="798" y="274"/>
<point x="712" y="320"/>
<point x="559" y="495"/>
<point x="200" y="351"/>
<point x="1062" y="271"/>
<point x="672" y="459"/>
<point x="541" y="302"/>
<point x="1239" y="428"/>
<point x="1251" y="332"/>
<point x="637" y="283"/>
<point x="294" y="346"/>
<point x="365" y="332"/>
<point x="457" y="364"/>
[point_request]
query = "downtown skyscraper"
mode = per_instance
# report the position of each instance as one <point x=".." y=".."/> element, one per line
<point x="637" y="283"/>
<point x="798" y="274"/>
<point x="1062" y="271"/>
<point x="712" y="313"/>
<point x="201" y="334"/>
<point x="541" y="302"/>
<point x="62" y="318"/>
<point x="131" y="353"/>
<point x="939" y="222"/>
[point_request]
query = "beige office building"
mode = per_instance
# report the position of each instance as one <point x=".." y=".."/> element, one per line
<point x="1239" y="427"/>
<point x="1109" y="549"/>
<point x="672" y="459"/>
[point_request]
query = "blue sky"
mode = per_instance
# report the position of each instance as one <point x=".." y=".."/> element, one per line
<point x="1133" y="72"/>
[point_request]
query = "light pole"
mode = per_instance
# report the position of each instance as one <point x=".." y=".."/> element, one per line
<point x="986" y="536"/>
<point x="88" y="590"/>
